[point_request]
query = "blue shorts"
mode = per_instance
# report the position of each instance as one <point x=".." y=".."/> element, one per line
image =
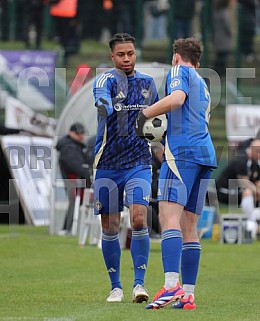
<point x="186" y="185"/>
<point x="115" y="188"/>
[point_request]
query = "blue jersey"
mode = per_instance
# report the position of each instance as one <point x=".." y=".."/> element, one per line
<point x="117" y="145"/>
<point x="188" y="138"/>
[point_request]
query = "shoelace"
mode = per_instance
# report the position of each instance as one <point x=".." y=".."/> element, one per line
<point x="114" y="292"/>
<point x="138" y="287"/>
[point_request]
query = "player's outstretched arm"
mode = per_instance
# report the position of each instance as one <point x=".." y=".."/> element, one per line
<point x="173" y="101"/>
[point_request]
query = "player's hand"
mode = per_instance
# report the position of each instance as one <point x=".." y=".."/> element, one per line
<point x="101" y="107"/>
<point x="139" y="124"/>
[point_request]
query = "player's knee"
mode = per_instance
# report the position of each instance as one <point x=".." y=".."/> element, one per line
<point x="139" y="221"/>
<point x="110" y="224"/>
<point x="189" y="234"/>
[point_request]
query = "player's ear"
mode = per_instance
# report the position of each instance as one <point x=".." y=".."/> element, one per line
<point x="173" y="57"/>
<point x="112" y="57"/>
<point x="197" y="65"/>
<point x="176" y="58"/>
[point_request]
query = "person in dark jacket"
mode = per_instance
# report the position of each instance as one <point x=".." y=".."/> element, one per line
<point x="239" y="184"/>
<point x="247" y="29"/>
<point x="74" y="167"/>
<point x="222" y="34"/>
<point x="182" y="19"/>
<point x="246" y="167"/>
<point x="33" y="16"/>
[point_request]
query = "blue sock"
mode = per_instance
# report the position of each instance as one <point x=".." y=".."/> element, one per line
<point x="190" y="262"/>
<point x="140" y="247"/>
<point x="112" y="253"/>
<point x="171" y="250"/>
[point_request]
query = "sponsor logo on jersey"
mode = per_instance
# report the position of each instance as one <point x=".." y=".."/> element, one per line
<point x="175" y="83"/>
<point x="118" y="107"/>
<point x="146" y="198"/>
<point x="145" y="93"/>
<point x="98" y="205"/>
<point x="120" y="95"/>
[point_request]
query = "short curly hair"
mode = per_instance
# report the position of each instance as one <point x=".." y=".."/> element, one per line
<point x="190" y="49"/>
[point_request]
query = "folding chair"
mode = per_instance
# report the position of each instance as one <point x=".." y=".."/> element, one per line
<point x="75" y="215"/>
<point x="90" y="224"/>
<point x="206" y="221"/>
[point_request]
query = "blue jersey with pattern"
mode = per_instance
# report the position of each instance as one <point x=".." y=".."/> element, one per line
<point x="117" y="145"/>
<point x="188" y="138"/>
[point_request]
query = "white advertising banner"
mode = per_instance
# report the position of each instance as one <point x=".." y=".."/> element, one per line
<point x="31" y="76"/>
<point x="242" y="122"/>
<point x="18" y="115"/>
<point x="29" y="159"/>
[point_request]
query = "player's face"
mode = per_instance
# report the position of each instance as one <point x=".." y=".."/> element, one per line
<point x="124" y="57"/>
<point x="253" y="151"/>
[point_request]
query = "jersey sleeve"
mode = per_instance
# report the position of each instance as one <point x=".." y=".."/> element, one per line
<point x="177" y="79"/>
<point x="102" y="92"/>
<point x="155" y="96"/>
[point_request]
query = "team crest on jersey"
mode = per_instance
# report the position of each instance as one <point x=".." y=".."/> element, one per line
<point x="98" y="205"/>
<point x="145" y="93"/>
<point x="175" y="83"/>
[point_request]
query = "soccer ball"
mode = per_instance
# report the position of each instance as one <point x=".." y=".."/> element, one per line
<point x="155" y="128"/>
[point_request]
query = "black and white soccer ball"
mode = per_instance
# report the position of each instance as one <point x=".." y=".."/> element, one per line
<point x="155" y="128"/>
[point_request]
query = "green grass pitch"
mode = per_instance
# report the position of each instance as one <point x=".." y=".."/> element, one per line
<point x="51" y="278"/>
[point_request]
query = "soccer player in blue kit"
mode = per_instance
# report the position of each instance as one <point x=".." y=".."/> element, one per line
<point x="123" y="163"/>
<point x="189" y="158"/>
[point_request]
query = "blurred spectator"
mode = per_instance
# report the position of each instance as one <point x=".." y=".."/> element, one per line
<point x="109" y="19"/>
<point x="90" y="143"/>
<point x="239" y="183"/>
<point x="250" y="207"/>
<point x="64" y="13"/>
<point x="183" y="15"/>
<point x="243" y="145"/>
<point x="222" y="34"/>
<point x="126" y="13"/>
<point x="247" y="28"/>
<point x="4" y="20"/>
<point x="84" y="73"/>
<point x="158" y="10"/>
<point x="73" y="165"/>
<point x="33" y="18"/>
<point x="89" y="14"/>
